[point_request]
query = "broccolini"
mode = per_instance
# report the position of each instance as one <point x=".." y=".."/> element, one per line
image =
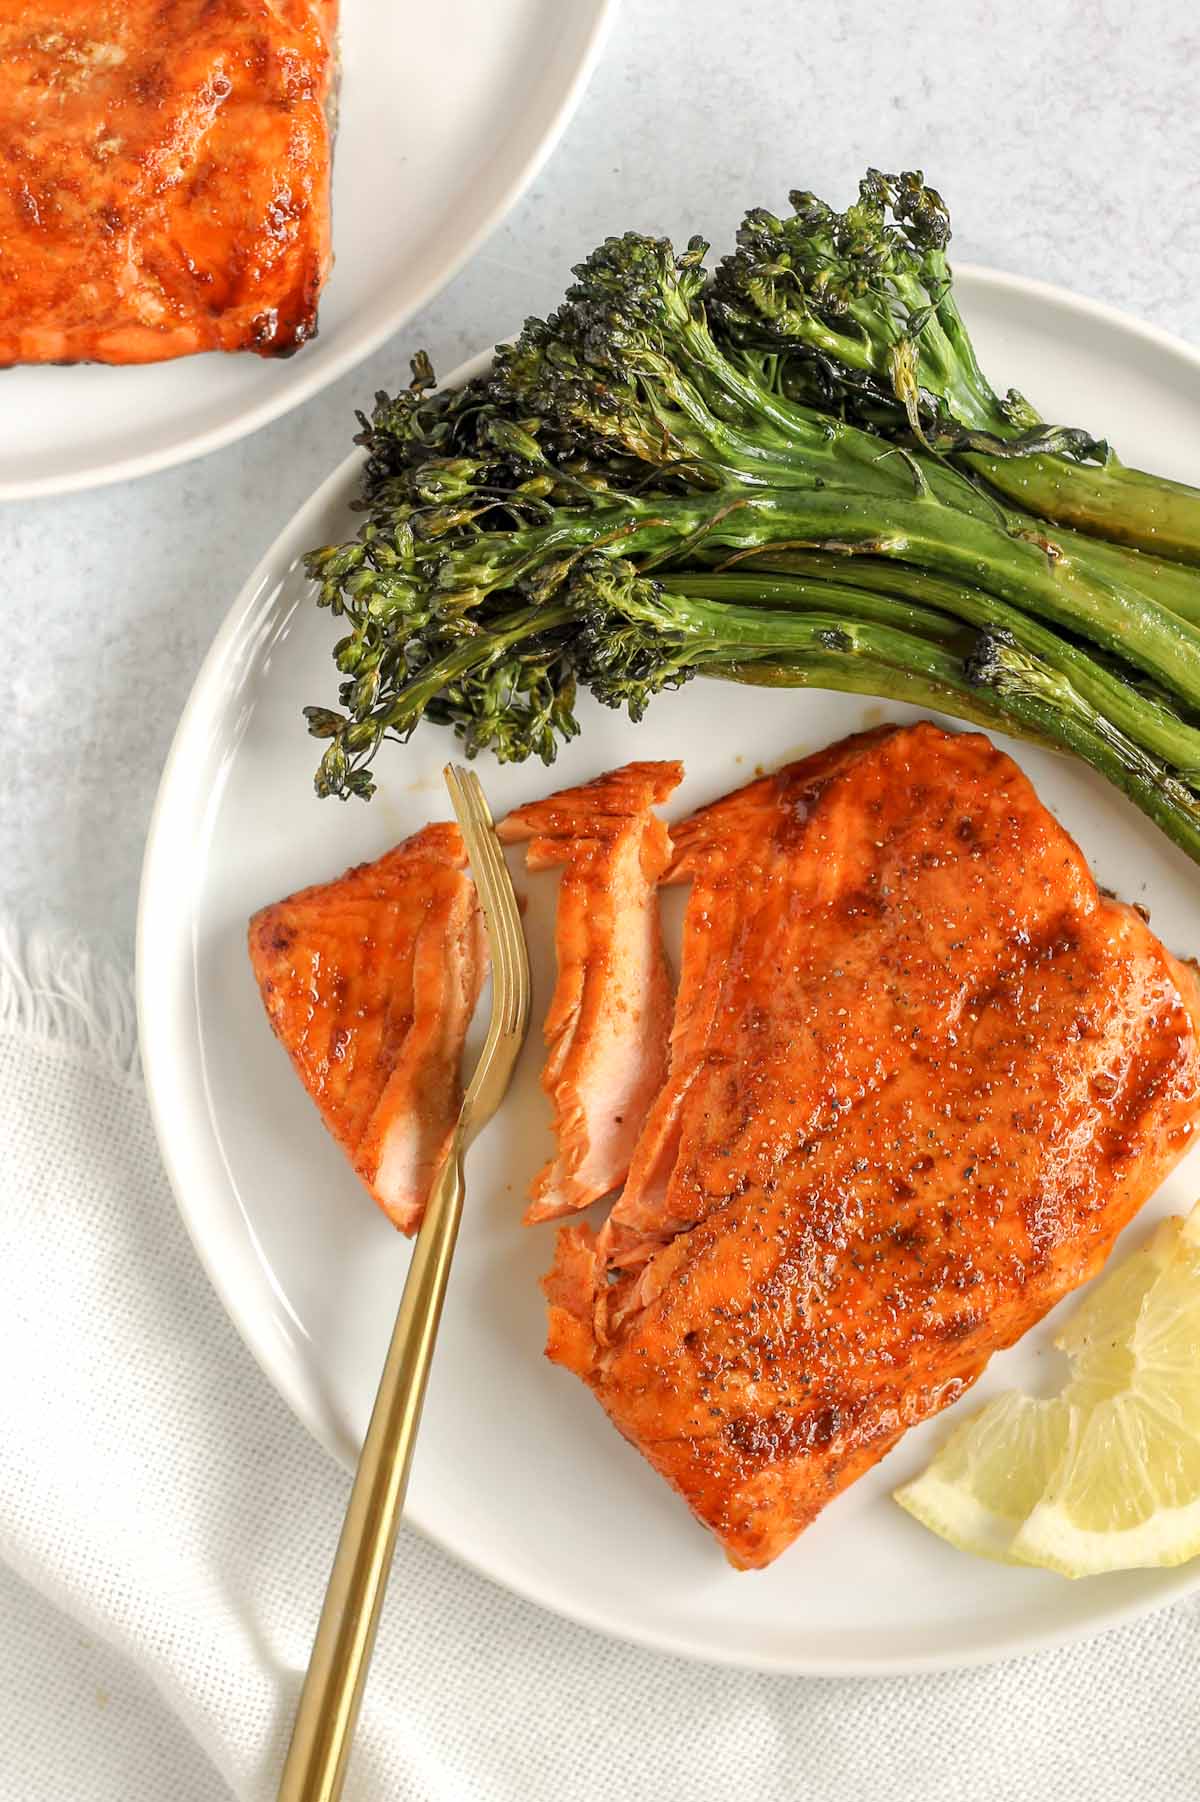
<point x="790" y="473"/>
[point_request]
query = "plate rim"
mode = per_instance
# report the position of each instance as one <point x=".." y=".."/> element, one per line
<point x="590" y="45"/>
<point x="168" y="1103"/>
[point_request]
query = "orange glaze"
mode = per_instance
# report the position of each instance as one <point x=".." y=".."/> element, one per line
<point x="165" y="176"/>
<point x="370" y="982"/>
<point x="923" y="1074"/>
<point x="607" y="1026"/>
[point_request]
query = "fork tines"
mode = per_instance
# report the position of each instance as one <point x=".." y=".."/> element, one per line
<point x="506" y="939"/>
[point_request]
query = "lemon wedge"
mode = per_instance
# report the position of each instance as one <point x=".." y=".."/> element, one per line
<point x="1105" y="1476"/>
<point x="990" y="1474"/>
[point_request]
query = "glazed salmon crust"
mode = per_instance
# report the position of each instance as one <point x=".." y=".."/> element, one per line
<point x="370" y="982"/>
<point x="923" y="1074"/>
<point x="165" y="183"/>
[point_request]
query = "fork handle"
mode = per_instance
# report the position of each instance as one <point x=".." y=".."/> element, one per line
<point x="315" y="1768"/>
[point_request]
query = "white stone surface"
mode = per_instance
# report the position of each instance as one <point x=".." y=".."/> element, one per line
<point x="1066" y="147"/>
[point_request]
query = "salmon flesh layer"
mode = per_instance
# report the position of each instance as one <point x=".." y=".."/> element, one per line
<point x="608" y="1024"/>
<point x="922" y="1074"/>
<point x="165" y="184"/>
<point x="370" y="982"/>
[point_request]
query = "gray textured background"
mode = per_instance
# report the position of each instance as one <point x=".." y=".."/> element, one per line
<point x="1067" y="148"/>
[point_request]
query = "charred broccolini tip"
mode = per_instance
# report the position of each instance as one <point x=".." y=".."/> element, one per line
<point x="860" y="308"/>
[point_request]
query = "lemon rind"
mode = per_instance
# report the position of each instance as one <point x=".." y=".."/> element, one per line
<point x="958" y="1517"/>
<point x="1050" y="1539"/>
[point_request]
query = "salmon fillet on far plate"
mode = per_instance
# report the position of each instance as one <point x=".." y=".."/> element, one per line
<point x="609" y="1020"/>
<point x="164" y="176"/>
<point x="923" y="1074"/>
<point x="370" y="983"/>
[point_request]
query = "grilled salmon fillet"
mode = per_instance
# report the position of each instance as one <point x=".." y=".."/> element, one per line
<point x="923" y="1074"/>
<point x="165" y="184"/>
<point x="370" y="982"/>
<point x="609" y="1020"/>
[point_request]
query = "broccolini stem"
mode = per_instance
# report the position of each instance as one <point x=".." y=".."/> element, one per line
<point x="1146" y="721"/>
<point x="1107" y="500"/>
<point x="1046" y="701"/>
<point x="1039" y="705"/>
<point x="707" y="606"/>
<point x="1031" y="573"/>
<point x="998" y="684"/>
<point x="945" y="692"/>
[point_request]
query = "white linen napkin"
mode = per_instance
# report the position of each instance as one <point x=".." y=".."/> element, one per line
<point x="167" y="1529"/>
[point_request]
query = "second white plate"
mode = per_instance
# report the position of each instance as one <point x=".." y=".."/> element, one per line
<point x="445" y="114"/>
<point x="517" y="1471"/>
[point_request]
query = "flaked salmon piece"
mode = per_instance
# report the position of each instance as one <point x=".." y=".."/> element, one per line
<point x="924" y="1076"/>
<point x="719" y="942"/>
<point x="165" y="184"/>
<point x="608" y="1023"/>
<point x="370" y="983"/>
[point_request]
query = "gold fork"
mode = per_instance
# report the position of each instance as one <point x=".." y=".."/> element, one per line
<point x="315" y="1768"/>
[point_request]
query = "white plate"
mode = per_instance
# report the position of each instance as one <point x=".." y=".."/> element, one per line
<point x="445" y="113"/>
<point x="518" y="1472"/>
